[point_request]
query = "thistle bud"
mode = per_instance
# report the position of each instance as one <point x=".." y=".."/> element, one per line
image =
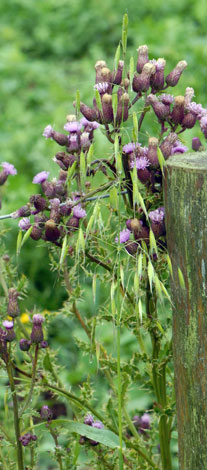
<point x="118" y="74"/>
<point x="24" y="211"/>
<point x="107" y="108"/>
<point x="36" y="232"/>
<point x="98" y="425"/>
<point x="3" y="177"/>
<point x="61" y="139"/>
<point x="142" y="82"/>
<point x="3" y="345"/>
<point x="52" y="233"/>
<point x="89" y="113"/>
<point x="71" y="118"/>
<point x="37" y="333"/>
<point x="55" y="212"/>
<point x="189" y="94"/>
<point x="106" y="75"/>
<point x="174" y="76"/>
<point x="24" y="344"/>
<point x="142" y="233"/>
<point x="10" y="334"/>
<point x="13" y="308"/>
<point x="27" y="438"/>
<point x="189" y="121"/>
<point x="157" y="80"/>
<point x="152" y="152"/>
<point x="100" y="64"/>
<point x="46" y="413"/>
<point x="157" y="219"/>
<point x="177" y="114"/>
<point x="131" y="248"/>
<point x="48" y="189"/>
<point x="73" y="223"/>
<point x="142" y="58"/>
<point x="126" y="84"/>
<point x="168" y="143"/>
<point x="122" y="110"/>
<point x="39" y="202"/>
<point x="196" y="144"/>
<point x="64" y="160"/>
<point x="160" y="109"/>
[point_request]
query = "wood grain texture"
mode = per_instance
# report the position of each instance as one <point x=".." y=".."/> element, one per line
<point x="185" y="192"/>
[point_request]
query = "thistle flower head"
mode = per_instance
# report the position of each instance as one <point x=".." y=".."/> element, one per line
<point x="79" y="212"/>
<point x="91" y="124"/>
<point x="101" y="87"/>
<point x="48" y="132"/>
<point x="40" y="177"/>
<point x="38" y="319"/>
<point x="89" y="420"/>
<point x="9" y="168"/>
<point x="123" y="236"/>
<point x="157" y="215"/>
<point x="73" y="126"/>
<point x="24" y="224"/>
<point x="166" y="98"/>
<point x="141" y="163"/>
<point x="178" y="147"/>
<point x="8" y="324"/>
<point x="130" y="147"/>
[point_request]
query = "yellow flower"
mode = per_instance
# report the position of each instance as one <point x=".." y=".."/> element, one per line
<point x="24" y="318"/>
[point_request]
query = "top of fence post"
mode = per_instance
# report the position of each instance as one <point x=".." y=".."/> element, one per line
<point x="185" y="193"/>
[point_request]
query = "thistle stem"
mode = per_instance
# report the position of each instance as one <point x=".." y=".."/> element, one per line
<point x="16" y="418"/>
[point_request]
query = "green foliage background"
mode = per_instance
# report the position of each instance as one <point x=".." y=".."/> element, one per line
<point x="48" y="51"/>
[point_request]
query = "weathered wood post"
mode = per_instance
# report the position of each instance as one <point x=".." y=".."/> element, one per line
<point x="185" y="188"/>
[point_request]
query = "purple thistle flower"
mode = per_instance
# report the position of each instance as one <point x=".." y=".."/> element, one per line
<point x="124" y="236"/>
<point x="203" y="124"/>
<point x="101" y="87"/>
<point x="157" y="215"/>
<point x="46" y="413"/>
<point x="9" y="168"/>
<point x="196" y="108"/>
<point x="73" y="126"/>
<point x="92" y="124"/>
<point x="38" y="319"/>
<point x="85" y="142"/>
<point x="178" y="147"/>
<point x="98" y="425"/>
<point x="24" y="224"/>
<point x="189" y="94"/>
<point x="89" y="420"/>
<point x="40" y="177"/>
<point x="79" y="212"/>
<point x="166" y="98"/>
<point x="48" y="132"/>
<point x="141" y="163"/>
<point x="142" y="423"/>
<point x="130" y="147"/>
<point x="73" y="142"/>
<point x="8" y="324"/>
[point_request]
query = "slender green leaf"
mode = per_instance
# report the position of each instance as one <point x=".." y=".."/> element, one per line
<point x="64" y="250"/>
<point x="26" y="236"/>
<point x="98" y="100"/>
<point x="19" y="241"/>
<point x="117" y="57"/>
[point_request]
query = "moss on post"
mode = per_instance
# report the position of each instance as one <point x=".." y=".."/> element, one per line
<point x="185" y="188"/>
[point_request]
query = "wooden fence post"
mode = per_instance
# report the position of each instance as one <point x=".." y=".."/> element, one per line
<point x="185" y="190"/>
